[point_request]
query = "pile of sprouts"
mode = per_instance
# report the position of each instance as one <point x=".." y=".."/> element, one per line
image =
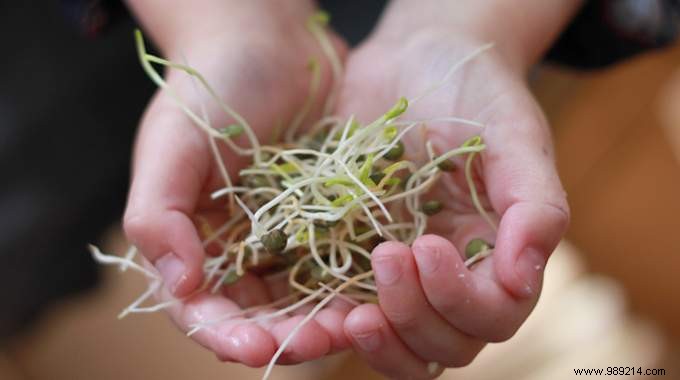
<point x="315" y="205"/>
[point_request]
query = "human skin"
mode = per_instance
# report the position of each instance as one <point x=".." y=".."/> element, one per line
<point x="432" y="308"/>
<point x="450" y="312"/>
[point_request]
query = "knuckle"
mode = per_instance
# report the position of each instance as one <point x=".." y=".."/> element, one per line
<point x="401" y="319"/>
<point x="447" y="306"/>
<point x="452" y="298"/>
<point x="136" y="225"/>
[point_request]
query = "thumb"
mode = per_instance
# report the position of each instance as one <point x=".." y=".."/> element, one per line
<point x="171" y="164"/>
<point x="525" y="189"/>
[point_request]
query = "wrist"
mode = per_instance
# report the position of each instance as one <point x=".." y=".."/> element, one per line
<point x="522" y="30"/>
<point x="175" y="25"/>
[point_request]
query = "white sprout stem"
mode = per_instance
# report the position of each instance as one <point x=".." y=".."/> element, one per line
<point x="478" y="257"/>
<point x="223" y="229"/>
<point x="447" y="155"/>
<point x="115" y="260"/>
<point x="153" y="308"/>
<point x="153" y="287"/>
<point x="313" y="91"/>
<point x="289" y="309"/>
<point x="239" y="259"/>
<point x="474" y="195"/>
<point x="218" y="284"/>
<point x="309" y="316"/>
<point x="228" y="110"/>
<point x="396" y="140"/>
<point x="336" y="65"/>
<point x="129" y="256"/>
<point x="444" y="119"/>
<point x="213" y="145"/>
<point x="319" y="261"/>
<point x="452" y="70"/>
<point x="198" y="326"/>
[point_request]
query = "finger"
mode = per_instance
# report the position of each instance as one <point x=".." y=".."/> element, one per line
<point x="410" y="315"/>
<point x="310" y="342"/>
<point x="322" y="335"/>
<point x="331" y="318"/>
<point x="471" y="300"/>
<point x="524" y="188"/>
<point x="170" y="168"/>
<point x="231" y="340"/>
<point x="374" y="340"/>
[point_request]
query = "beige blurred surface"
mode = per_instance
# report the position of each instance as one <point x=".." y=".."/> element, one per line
<point x="610" y="297"/>
<point x="616" y="136"/>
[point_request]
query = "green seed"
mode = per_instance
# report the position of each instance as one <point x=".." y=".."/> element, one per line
<point x="396" y="152"/>
<point x="275" y="241"/>
<point x="377" y="177"/>
<point x="475" y="246"/>
<point x="446" y="166"/>
<point x="431" y="207"/>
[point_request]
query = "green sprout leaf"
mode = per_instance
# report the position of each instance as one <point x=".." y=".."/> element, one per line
<point x="430" y="208"/>
<point x="232" y="130"/>
<point x="390" y="132"/>
<point x="396" y="152"/>
<point x="341" y="201"/>
<point x="321" y="18"/>
<point x="397" y="109"/>
<point x="340" y="180"/>
<point x="365" y="170"/>
<point x="472" y="141"/>
<point x="475" y="246"/>
<point x="232" y="278"/>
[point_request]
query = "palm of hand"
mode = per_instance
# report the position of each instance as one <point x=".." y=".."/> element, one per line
<point x="437" y="310"/>
<point x="267" y="84"/>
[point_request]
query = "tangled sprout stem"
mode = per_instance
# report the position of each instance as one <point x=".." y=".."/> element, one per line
<point x="314" y="206"/>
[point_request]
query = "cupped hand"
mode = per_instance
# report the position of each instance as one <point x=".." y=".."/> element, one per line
<point x="433" y="309"/>
<point x="257" y="61"/>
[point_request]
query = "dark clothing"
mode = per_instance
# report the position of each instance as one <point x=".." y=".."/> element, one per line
<point x="606" y="32"/>
<point x="603" y="32"/>
<point x="69" y="108"/>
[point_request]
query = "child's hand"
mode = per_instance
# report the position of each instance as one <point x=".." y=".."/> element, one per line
<point x="255" y="54"/>
<point x="432" y="308"/>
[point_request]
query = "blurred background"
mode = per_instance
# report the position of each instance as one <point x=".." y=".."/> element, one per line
<point x="611" y="289"/>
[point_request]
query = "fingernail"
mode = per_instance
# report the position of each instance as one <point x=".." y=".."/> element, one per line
<point x="387" y="269"/>
<point x="172" y="270"/>
<point x="368" y="341"/>
<point x="427" y="258"/>
<point x="529" y="268"/>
